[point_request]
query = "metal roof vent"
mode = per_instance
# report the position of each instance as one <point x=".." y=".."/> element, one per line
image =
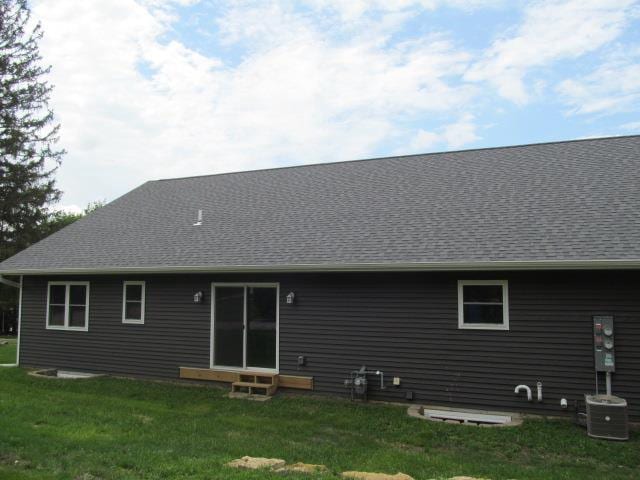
<point x="199" y="221"/>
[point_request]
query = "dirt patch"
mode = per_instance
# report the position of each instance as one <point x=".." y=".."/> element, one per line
<point x="256" y="463"/>
<point x="376" y="476"/>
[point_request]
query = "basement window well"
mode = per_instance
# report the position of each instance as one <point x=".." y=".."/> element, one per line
<point x="479" y="418"/>
<point x="66" y="374"/>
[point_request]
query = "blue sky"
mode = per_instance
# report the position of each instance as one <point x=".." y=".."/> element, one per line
<point x="150" y="89"/>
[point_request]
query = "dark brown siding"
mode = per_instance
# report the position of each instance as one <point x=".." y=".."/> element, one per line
<point x="402" y="323"/>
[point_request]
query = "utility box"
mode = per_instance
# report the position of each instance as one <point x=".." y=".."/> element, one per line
<point x="603" y="344"/>
<point x="607" y="417"/>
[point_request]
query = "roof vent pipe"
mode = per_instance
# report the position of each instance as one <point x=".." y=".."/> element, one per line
<point x="199" y="221"/>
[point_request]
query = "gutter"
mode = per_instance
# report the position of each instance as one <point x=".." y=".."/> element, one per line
<point x="616" y="264"/>
<point x="10" y="283"/>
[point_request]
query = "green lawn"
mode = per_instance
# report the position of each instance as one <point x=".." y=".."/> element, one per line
<point x="8" y="352"/>
<point x="110" y="428"/>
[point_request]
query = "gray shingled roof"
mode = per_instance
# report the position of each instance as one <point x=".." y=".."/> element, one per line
<point x="568" y="203"/>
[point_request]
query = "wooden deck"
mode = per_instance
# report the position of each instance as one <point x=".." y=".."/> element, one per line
<point x="230" y="376"/>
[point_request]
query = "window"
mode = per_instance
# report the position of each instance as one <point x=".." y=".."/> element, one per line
<point x="483" y="304"/>
<point x="133" y="302"/>
<point x="68" y="306"/>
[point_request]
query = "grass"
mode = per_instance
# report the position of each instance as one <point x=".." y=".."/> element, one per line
<point x="111" y="428"/>
<point x="8" y="352"/>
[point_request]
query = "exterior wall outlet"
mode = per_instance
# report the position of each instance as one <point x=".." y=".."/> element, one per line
<point x="396" y="381"/>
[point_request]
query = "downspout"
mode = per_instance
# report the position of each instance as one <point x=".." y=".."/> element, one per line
<point x="13" y="284"/>
<point x="19" y="322"/>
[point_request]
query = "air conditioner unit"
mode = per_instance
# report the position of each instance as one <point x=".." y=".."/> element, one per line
<point x="607" y="417"/>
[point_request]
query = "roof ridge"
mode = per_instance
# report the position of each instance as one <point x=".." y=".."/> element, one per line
<point x="389" y="157"/>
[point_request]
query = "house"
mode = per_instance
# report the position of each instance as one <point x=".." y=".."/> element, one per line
<point x="462" y="274"/>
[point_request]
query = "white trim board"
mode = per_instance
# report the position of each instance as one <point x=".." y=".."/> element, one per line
<point x="596" y="264"/>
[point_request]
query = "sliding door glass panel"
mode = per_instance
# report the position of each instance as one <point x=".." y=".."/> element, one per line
<point x="261" y="327"/>
<point x="229" y="326"/>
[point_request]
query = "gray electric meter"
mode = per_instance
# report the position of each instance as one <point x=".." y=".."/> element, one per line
<point x="603" y="343"/>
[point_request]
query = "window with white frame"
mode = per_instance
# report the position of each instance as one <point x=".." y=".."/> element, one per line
<point x="68" y="306"/>
<point x="483" y="304"/>
<point x="133" y="302"/>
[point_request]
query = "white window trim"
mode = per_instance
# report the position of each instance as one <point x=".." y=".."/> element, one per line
<point x="484" y="326"/>
<point x="66" y="326"/>
<point x="133" y="321"/>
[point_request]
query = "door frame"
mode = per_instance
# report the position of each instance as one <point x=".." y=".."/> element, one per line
<point x="245" y="367"/>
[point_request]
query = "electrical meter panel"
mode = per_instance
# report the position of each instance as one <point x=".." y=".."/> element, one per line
<point x="604" y="348"/>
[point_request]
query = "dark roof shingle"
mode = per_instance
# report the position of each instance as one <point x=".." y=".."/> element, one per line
<point x="555" y="202"/>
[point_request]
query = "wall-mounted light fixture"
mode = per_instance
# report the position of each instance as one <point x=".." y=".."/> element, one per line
<point x="198" y="297"/>
<point x="291" y="298"/>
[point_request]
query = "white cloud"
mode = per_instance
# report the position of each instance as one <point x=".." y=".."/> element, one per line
<point x="461" y="132"/>
<point x="631" y="126"/>
<point x="298" y="96"/>
<point x="613" y="87"/>
<point x="552" y="30"/>
<point x="453" y="136"/>
<point x="351" y="10"/>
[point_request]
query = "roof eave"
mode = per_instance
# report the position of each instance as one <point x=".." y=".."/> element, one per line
<point x="355" y="267"/>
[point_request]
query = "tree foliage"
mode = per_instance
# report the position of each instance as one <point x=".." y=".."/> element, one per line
<point x="60" y="219"/>
<point x="28" y="132"/>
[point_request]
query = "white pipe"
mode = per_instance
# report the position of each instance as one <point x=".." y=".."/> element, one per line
<point x="608" y="383"/>
<point x="526" y="389"/>
<point x="539" y="385"/>
<point x="19" y="319"/>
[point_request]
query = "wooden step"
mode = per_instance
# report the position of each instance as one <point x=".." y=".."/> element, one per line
<point x="261" y="378"/>
<point x="252" y="384"/>
<point x="254" y="388"/>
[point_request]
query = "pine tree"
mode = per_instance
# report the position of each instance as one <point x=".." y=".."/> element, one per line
<point x="28" y="132"/>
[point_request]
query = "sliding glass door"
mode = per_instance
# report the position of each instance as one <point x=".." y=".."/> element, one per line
<point x="245" y="326"/>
